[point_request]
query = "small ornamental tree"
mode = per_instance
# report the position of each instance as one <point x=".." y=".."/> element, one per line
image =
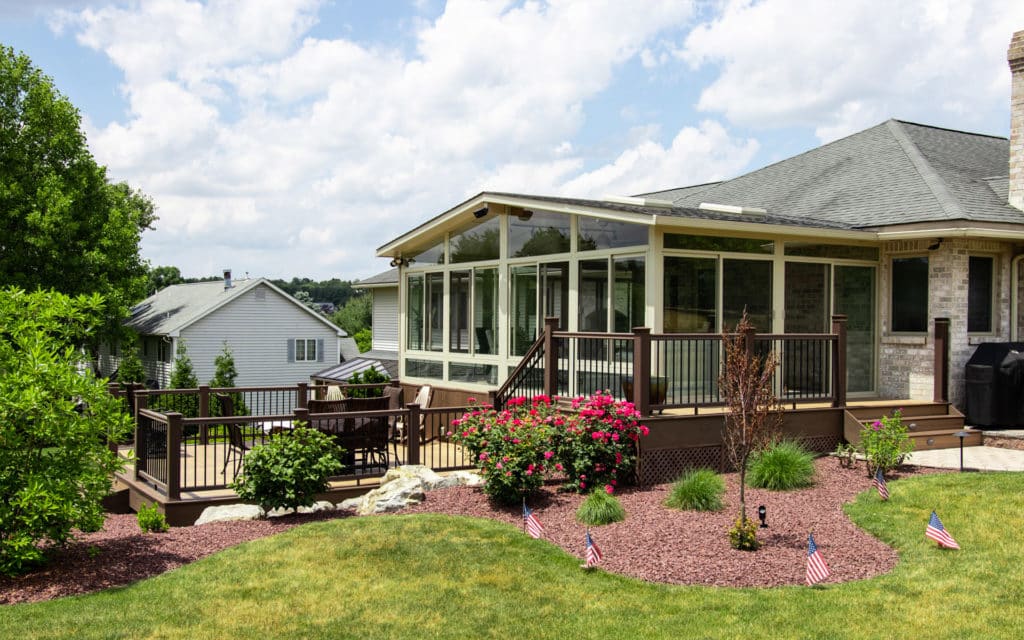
<point x="56" y="420"/>
<point x="224" y="375"/>
<point x="182" y="377"/>
<point x="753" y="412"/>
<point x="130" y="368"/>
<point x="885" y="443"/>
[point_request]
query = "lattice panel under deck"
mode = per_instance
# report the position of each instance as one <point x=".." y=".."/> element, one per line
<point x="665" y="465"/>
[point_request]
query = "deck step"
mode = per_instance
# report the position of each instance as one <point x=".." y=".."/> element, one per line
<point x="944" y="439"/>
<point x="874" y="412"/>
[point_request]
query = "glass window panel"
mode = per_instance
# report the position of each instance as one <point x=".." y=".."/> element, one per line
<point x="458" y="311"/>
<point x="415" y="308"/>
<point x="747" y="284"/>
<point x="433" y="255"/>
<point x="597" y="233"/>
<point x="481" y="242"/>
<point x="713" y="243"/>
<point x="543" y="233"/>
<point x="523" y="308"/>
<point x="690" y="285"/>
<point x="629" y="299"/>
<point x="474" y="373"/>
<point x="910" y="294"/>
<point x="807" y="297"/>
<point x="435" y="311"/>
<point x="593" y="295"/>
<point x="424" y="369"/>
<point x="979" y="294"/>
<point x="555" y="281"/>
<point x="833" y="251"/>
<point x="855" y="298"/>
<point x="485" y="311"/>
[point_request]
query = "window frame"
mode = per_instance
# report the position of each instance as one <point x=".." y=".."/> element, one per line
<point x="305" y="342"/>
<point x="892" y="294"/>
<point x="993" y="274"/>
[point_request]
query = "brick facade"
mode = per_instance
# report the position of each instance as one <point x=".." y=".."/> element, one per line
<point x="1015" y="57"/>
<point x="906" y="361"/>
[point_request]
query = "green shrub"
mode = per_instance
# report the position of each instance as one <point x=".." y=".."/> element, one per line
<point x="847" y="454"/>
<point x="151" y="520"/>
<point x="288" y="471"/>
<point x="600" y="508"/>
<point x="368" y="376"/>
<point x="743" y="535"/>
<point x="697" y="490"/>
<point x="885" y="443"/>
<point x="782" y="466"/>
<point x="56" y="419"/>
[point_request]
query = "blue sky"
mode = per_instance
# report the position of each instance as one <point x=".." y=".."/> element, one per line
<point x="291" y="137"/>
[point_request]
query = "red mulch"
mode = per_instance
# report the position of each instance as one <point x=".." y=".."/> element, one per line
<point x="653" y="543"/>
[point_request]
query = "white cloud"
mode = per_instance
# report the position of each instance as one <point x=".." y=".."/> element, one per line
<point x="843" y="66"/>
<point x="697" y="154"/>
<point x="259" y="141"/>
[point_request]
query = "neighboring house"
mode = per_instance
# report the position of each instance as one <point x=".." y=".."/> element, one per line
<point x="893" y="226"/>
<point x="274" y="338"/>
<point x="384" y="347"/>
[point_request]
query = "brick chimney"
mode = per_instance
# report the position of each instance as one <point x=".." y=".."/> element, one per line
<point x="227" y="279"/>
<point x="1015" y="56"/>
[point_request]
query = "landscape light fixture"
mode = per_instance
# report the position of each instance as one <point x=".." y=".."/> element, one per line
<point x="481" y="212"/>
<point x="762" y="513"/>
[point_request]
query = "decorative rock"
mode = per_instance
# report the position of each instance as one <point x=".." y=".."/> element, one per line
<point x="430" y="479"/>
<point x="351" y="504"/>
<point x="393" y="496"/>
<point x="230" y="512"/>
<point x="468" y="478"/>
<point x="322" y="505"/>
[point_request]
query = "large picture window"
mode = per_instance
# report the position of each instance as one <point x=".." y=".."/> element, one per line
<point x="979" y="294"/>
<point x="910" y="294"/>
<point x="690" y="286"/>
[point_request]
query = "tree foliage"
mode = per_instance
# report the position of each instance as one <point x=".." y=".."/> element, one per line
<point x="130" y="368"/>
<point x="356" y="315"/>
<point x="64" y="225"/>
<point x="754" y="413"/>
<point x="224" y="375"/>
<point x="56" y="419"/>
<point x="334" y="290"/>
<point x="288" y="471"/>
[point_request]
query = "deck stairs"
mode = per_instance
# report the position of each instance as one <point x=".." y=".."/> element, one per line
<point x="931" y="425"/>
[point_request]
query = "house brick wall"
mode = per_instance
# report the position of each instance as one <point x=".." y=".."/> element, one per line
<point x="1015" y="57"/>
<point x="906" y="361"/>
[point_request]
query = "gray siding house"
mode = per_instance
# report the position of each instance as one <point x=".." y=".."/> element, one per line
<point x="275" y="339"/>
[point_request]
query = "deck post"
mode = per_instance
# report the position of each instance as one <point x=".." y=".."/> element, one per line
<point x="174" y="456"/>
<point x="204" y="412"/>
<point x="141" y="401"/>
<point x="839" y="361"/>
<point x="412" y="434"/>
<point x="642" y="370"/>
<point x="941" y="379"/>
<point x="302" y="395"/>
<point x="550" y="357"/>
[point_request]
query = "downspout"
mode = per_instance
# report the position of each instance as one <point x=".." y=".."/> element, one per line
<point x="1014" y="298"/>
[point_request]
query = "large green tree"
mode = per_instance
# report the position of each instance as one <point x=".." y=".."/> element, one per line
<point x="63" y="225"/>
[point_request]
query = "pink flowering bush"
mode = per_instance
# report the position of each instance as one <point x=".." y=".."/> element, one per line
<point x="597" y="447"/>
<point x="511" y="447"/>
<point x="885" y="442"/>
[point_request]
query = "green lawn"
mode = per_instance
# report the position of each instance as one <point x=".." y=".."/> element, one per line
<point x="432" y="576"/>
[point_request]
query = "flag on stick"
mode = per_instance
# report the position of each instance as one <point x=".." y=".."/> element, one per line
<point x="938" y="533"/>
<point x="593" y="552"/>
<point x="531" y="523"/>
<point x="817" y="570"/>
<point x="883" y="490"/>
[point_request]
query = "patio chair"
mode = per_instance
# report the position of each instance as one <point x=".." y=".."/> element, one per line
<point x="237" y="446"/>
<point x="423" y="397"/>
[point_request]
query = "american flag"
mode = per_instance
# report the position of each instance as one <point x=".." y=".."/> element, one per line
<point x="817" y="570"/>
<point x="531" y="523"/>
<point x="593" y="552"/>
<point x="938" y="533"/>
<point x="880" y="484"/>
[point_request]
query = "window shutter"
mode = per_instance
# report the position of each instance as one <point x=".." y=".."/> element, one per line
<point x="291" y="349"/>
<point x="319" y="349"/>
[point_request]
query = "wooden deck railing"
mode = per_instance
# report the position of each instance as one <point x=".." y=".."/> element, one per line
<point x="673" y="371"/>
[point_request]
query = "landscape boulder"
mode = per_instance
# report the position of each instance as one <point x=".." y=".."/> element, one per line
<point x="229" y="513"/>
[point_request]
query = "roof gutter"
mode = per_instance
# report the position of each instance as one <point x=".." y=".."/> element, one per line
<point x="763" y="228"/>
<point x="952" y="232"/>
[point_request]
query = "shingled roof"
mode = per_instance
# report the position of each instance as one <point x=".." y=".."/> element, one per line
<point x="894" y="173"/>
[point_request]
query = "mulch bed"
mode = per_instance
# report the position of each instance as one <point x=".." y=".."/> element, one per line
<point x="653" y="543"/>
